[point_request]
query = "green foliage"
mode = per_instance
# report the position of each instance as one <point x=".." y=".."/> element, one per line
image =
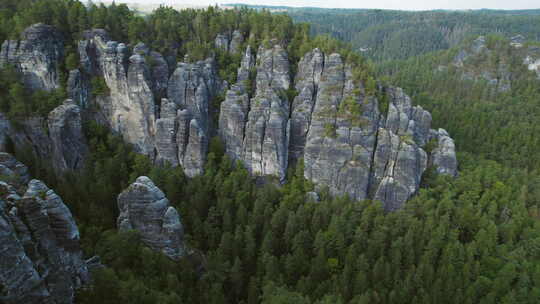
<point x="18" y="102"/>
<point x="99" y="86"/>
<point x="72" y="61"/>
<point x="351" y="109"/>
<point x="389" y="35"/>
<point x="470" y="239"/>
<point x="330" y="130"/>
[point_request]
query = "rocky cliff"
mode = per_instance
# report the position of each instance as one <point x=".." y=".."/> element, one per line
<point x="175" y="130"/>
<point x="37" y="55"/>
<point x="365" y="143"/>
<point x="39" y="235"/>
<point x="58" y="138"/>
<point x="229" y="42"/>
<point x="346" y="143"/>
<point x="144" y="208"/>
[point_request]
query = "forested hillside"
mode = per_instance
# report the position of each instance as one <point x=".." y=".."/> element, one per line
<point x="386" y="34"/>
<point x="470" y="239"/>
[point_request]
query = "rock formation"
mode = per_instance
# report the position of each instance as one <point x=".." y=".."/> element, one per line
<point x="78" y="88"/>
<point x="178" y="131"/>
<point x="263" y="121"/>
<point x="58" y="139"/>
<point x="229" y="43"/>
<point x="131" y="111"/>
<point x="352" y="142"/>
<point x="346" y="143"/>
<point x="69" y="148"/>
<point x="144" y="208"/>
<point x="38" y="56"/>
<point x="40" y="236"/>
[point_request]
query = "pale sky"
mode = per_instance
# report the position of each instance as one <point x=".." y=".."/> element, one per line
<point x="382" y="4"/>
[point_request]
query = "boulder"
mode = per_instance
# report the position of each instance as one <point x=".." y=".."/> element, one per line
<point x="145" y="209"/>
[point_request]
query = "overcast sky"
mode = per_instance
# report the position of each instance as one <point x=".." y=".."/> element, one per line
<point x="383" y="4"/>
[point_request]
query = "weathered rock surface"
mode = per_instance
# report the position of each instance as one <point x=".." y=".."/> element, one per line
<point x="191" y="88"/>
<point x="69" y="147"/>
<point x="443" y="157"/>
<point x="231" y="43"/>
<point x="37" y="55"/>
<point x="256" y="131"/>
<point x="39" y="235"/>
<point x="58" y="139"/>
<point x="144" y="208"/>
<point x="78" y="87"/>
<point x="131" y="112"/>
<point x="346" y="143"/>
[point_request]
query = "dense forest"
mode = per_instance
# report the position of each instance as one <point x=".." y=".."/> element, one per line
<point x="473" y="239"/>
<point x="386" y="34"/>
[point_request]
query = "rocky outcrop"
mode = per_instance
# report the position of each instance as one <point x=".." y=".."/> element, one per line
<point x="58" y="138"/>
<point x="28" y="133"/>
<point x="69" y="148"/>
<point x="443" y="157"/>
<point x="131" y="112"/>
<point x="37" y="55"/>
<point x="230" y="43"/>
<point x="346" y="143"/>
<point x="39" y="235"/>
<point x="262" y="122"/>
<point x="145" y="209"/>
<point x="191" y="89"/>
<point x="78" y="88"/>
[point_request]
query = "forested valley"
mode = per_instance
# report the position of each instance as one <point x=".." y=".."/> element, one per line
<point x="474" y="238"/>
<point x="389" y="34"/>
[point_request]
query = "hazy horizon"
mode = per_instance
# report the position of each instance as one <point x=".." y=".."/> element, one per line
<point x="381" y="4"/>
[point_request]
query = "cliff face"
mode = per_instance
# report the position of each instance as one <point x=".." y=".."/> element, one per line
<point x="58" y="138"/>
<point x="174" y="132"/>
<point x="69" y="147"/>
<point x="37" y="55"/>
<point x="131" y="111"/>
<point x="256" y="130"/>
<point x="229" y="42"/>
<point x="39" y="235"/>
<point x="346" y="141"/>
<point x="338" y="130"/>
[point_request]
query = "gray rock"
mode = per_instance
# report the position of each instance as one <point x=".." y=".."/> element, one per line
<point x="160" y="73"/>
<point x="443" y="157"/>
<point x="347" y="145"/>
<point x="307" y="81"/>
<point x="131" y="109"/>
<point x="192" y="87"/>
<point x="69" y="147"/>
<point x="39" y="235"/>
<point x="256" y="131"/>
<point x="78" y="88"/>
<point x="247" y="63"/>
<point x="145" y="209"/>
<point x="37" y="55"/>
<point x="166" y="129"/>
<point x="229" y="43"/>
<point x="236" y="42"/>
<point x="222" y="42"/>
<point x="12" y="171"/>
<point x="340" y="141"/>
